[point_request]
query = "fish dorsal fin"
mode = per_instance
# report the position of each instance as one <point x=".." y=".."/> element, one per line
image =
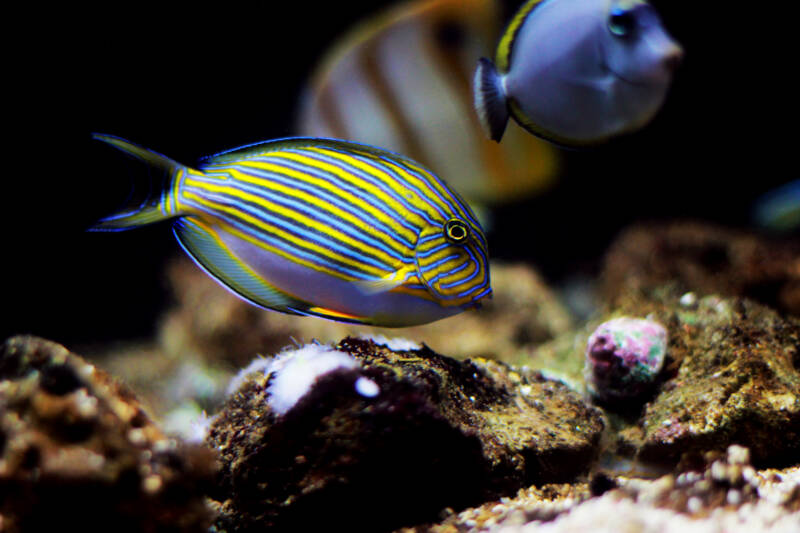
<point x="504" y="48"/>
<point x="261" y="148"/>
<point x="490" y="100"/>
<point x="203" y="244"/>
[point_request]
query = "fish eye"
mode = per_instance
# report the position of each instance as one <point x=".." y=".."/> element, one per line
<point x="456" y="231"/>
<point x="621" y="22"/>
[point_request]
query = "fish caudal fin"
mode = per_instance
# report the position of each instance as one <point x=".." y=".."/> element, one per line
<point x="490" y="99"/>
<point x="151" y="202"/>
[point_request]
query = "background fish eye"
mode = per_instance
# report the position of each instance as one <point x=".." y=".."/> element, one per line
<point x="456" y="231"/>
<point x="621" y="22"/>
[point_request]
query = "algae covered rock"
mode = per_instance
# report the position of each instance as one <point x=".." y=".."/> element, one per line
<point x="77" y="450"/>
<point x="732" y="376"/>
<point x="392" y="439"/>
<point x="737" y="381"/>
<point x="706" y="259"/>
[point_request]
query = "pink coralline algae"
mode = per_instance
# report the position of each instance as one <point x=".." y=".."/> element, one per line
<point x="623" y="358"/>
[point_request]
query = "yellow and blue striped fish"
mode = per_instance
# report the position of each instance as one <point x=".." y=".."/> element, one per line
<point x="403" y="80"/>
<point x="321" y="227"/>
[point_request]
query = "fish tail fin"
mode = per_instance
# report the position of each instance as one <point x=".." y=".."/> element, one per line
<point x="490" y="99"/>
<point x="151" y="202"/>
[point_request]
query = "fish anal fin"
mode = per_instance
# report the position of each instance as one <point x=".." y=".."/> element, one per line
<point x="490" y="99"/>
<point x="204" y="245"/>
<point x="330" y="314"/>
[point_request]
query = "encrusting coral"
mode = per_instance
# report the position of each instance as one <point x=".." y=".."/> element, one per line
<point x="623" y="358"/>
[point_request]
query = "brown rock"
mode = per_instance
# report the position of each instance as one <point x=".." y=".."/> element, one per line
<point x="78" y="450"/>
<point x="731" y="377"/>
<point x="440" y="433"/>
<point x="706" y="259"/>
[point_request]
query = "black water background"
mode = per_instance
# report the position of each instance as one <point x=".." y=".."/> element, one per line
<point x="189" y="81"/>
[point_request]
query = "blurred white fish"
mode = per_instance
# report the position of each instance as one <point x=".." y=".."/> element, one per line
<point x="577" y="72"/>
<point x="403" y="80"/>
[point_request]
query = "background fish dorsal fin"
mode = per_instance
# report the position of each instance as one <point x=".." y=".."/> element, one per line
<point x="210" y="253"/>
<point x="490" y="100"/>
<point x="504" y="48"/>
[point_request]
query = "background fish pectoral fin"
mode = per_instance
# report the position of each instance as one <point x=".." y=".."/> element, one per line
<point x="206" y="248"/>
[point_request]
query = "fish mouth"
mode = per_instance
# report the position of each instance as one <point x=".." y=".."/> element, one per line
<point x="641" y="84"/>
<point x="605" y="67"/>
<point x="477" y="303"/>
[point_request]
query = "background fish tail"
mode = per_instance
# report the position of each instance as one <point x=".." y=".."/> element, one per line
<point x="490" y="99"/>
<point x="152" y="198"/>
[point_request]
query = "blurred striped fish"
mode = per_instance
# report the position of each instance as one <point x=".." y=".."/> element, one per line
<point x="320" y="227"/>
<point x="403" y="80"/>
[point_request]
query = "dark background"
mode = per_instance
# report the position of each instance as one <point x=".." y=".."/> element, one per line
<point x="189" y="81"/>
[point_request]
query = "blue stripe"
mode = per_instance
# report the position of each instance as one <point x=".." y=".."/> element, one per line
<point x="463" y="208"/>
<point x="297" y="229"/>
<point x="277" y="243"/>
<point x="438" y="263"/>
<point x="387" y="169"/>
<point x="321" y="193"/>
<point x="318" y="215"/>
<point x="434" y="249"/>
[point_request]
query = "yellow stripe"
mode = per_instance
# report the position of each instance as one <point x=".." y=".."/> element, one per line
<point x="178" y="183"/>
<point x="336" y="314"/>
<point x="405" y="251"/>
<point x="503" y="56"/>
<point x="294" y="215"/>
<point x="329" y="187"/>
<point x="443" y="269"/>
<point x="441" y="254"/>
<point x="308" y="245"/>
<point x="430" y="182"/>
<point x="436" y="184"/>
<point x="385" y="178"/>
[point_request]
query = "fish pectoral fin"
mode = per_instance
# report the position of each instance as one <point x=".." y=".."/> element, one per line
<point x="490" y="99"/>
<point x="386" y="283"/>
<point x="205" y="247"/>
